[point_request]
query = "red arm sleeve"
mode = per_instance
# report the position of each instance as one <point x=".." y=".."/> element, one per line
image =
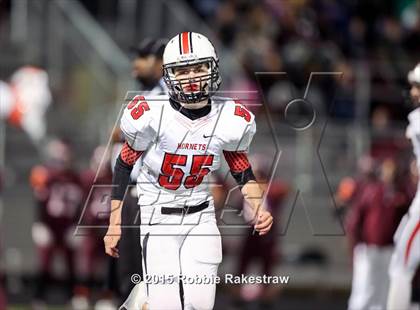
<point x="123" y="167"/>
<point x="237" y="161"/>
<point x="129" y="155"/>
<point x="239" y="167"/>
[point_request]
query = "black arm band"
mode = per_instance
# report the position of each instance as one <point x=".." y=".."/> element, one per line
<point x="120" y="179"/>
<point x="244" y="176"/>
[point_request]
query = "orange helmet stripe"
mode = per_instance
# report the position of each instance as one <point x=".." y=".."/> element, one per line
<point x="185" y="43"/>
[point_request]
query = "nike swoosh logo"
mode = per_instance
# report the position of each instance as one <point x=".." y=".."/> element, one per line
<point x="207" y="136"/>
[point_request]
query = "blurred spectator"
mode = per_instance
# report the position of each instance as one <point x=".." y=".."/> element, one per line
<point x="371" y="224"/>
<point x="385" y="143"/>
<point x="311" y="36"/>
<point x="206" y="8"/>
<point x="58" y="198"/>
<point x="344" y="105"/>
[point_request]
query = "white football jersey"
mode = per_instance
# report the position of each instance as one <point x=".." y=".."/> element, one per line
<point x="413" y="133"/>
<point x="181" y="153"/>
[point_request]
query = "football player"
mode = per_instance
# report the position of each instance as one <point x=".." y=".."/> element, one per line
<point x="147" y="65"/>
<point x="406" y="256"/>
<point x="24" y="101"/>
<point x="58" y="195"/>
<point x="181" y="139"/>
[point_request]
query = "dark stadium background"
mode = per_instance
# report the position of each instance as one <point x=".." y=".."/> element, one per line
<point x="360" y="52"/>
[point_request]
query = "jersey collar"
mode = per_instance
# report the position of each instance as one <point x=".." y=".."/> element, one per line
<point x="192" y="114"/>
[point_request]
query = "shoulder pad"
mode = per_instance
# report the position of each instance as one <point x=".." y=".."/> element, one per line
<point x="240" y="125"/>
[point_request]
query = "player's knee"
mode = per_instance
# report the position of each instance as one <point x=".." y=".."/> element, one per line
<point x="200" y="307"/>
<point x="204" y="244"/>
<point x="202" y="303"/>
<point x="212" y="254"/>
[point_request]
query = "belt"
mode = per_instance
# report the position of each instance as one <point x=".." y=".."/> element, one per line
<point x="185" y="210"/>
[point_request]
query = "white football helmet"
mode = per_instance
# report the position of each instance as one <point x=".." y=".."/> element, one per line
<point x="414" y="79"/>
<point x="414" y="75"/>
<point x="185" y="49"/>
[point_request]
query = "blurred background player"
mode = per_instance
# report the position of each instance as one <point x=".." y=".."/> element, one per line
<point x="147" y="70"/>
<point x="351" y="187"/>
<point x="58" y="197"/>
<point x="371" y="223"/>
<point x="25" y="99"/>
<point x="147" y="66"/>
<point x="406" y="256"/>
<point x="96" y="182"/>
